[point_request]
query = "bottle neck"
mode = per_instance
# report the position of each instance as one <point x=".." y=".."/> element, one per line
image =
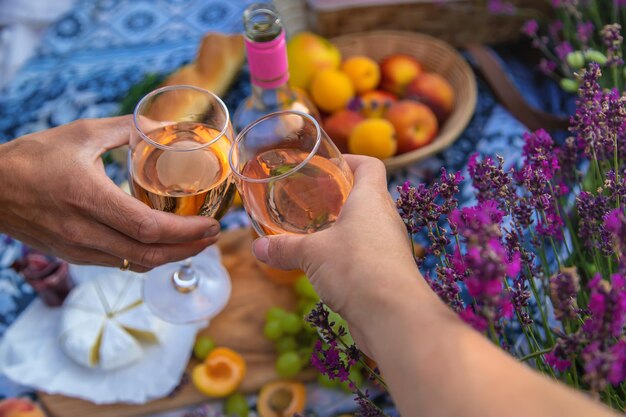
<point x="270" y="97"/>
<point x="268" y="62"/>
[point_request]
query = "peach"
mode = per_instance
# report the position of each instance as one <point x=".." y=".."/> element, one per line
<point x="375" y="103"/>
<point x="415" y="124"/>
<point x="435" y="91"/>
<point x="339" y="125"/>
<point x="397" y="71"/>
<point x="19" y="407"/>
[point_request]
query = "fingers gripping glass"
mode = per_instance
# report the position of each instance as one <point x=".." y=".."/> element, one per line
<point x="178" y="164"/>
<point x="291" y="176"/>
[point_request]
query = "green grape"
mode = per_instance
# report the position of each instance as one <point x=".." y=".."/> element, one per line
<point x="275" y="313"/>
<point x="288" y="365"/>
<point x="286" y="344"/>
<point x="304" y="288"/>
<point x="291" y="323"/>
<point x="236" y="405"/>
<point x="273" y="330"/>
<point x="202" y="347"/>
<point x="326" y="382"/>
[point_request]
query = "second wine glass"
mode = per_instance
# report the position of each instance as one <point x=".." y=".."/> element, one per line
<point x="291" y="176"/>
<point x="178" y="163"/>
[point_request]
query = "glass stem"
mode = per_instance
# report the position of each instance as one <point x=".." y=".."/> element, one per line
<point x="185" y="279"/>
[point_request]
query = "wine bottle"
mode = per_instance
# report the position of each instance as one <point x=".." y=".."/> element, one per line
<point x="269" y="72"/>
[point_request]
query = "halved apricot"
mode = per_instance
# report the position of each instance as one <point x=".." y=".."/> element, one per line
<point x="220" y="374"/>
<point x="281" y="399"/>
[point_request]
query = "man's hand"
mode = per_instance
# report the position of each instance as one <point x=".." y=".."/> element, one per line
<point x="56" y="197"/>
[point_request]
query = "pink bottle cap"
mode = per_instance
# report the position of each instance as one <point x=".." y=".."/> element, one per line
<point x="268" y="62"/>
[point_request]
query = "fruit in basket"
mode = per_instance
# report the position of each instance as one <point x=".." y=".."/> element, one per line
<point x="415" y="124"/>
<point x="375" y="103"/>
<point x="281" y="399"/>
<point x="339" y="125"/>
<point x="331" y="90"/>
<point x="19" y="407"/>
<point x="363" y="72"/>
<point x="435" y="91"/>
<point x="308" y="54"/>
<point x="220" y="374"/>
<point x="373" y="137"/>
<point x="397" y="71"/>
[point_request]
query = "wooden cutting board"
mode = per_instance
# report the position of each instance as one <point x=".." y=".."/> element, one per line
<point x="239" y="326"/>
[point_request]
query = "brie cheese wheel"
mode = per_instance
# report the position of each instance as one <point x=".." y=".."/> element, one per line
<point x="105" y="320"/>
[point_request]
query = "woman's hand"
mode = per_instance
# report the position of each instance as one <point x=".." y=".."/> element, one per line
<point x="56" y="197"/>
<point x="365" y="255"/>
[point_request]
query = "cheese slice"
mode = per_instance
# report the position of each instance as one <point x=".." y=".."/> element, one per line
<point x="140" y="323"/>
<point x="80" y="337"/>
<point x="104" y="320"/>
<point x="85" y="297"/>
<point x="117" y="348"/>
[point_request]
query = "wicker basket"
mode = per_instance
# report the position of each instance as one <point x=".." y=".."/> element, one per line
<point x="436" y="56"/>
<point x="458" y="22"/>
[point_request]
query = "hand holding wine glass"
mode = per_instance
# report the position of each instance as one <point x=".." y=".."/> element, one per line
<point x="291" y="176"/>
<point x="56" y="197"/>
<point x="178" y="164"/>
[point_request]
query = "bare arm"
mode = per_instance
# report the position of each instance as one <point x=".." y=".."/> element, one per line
<point x="434" y="364"/>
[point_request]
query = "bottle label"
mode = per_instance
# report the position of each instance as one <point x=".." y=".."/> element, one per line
<point x="268" y="62"/>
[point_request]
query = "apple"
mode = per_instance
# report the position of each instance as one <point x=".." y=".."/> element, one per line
<point x="415" y="124"/>
<point x="374" y="103"/>
<point x="397" y="71"/>
<point x="339" y="125"/>
<point x="19" y="407"/>
<point x="435" y="91"/>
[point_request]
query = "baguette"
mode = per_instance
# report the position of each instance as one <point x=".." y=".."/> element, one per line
<point x="218" y="62"/>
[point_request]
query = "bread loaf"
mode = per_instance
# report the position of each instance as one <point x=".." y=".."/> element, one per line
<point x="217" y="63"/>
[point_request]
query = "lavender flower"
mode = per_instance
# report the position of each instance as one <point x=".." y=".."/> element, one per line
<point x="366" y="407"/>
<point x="501" y="7"/>
<point x="615" y="225"/>
<point x="530" y="28"/>
<point x="490" y="181"/>
<point x="547" y="66"/>
<point x="564" y="288"/>
<point x="563" y="49"/>
<point x="584" y="32"/>
<point x="592" y="210"/>
<point x="612" y="39"/>
<point x="328" y="361"/>
<point x="607" y="305"/>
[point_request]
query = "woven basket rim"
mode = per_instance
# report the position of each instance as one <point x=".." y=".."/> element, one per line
<point x="462" y="112"/>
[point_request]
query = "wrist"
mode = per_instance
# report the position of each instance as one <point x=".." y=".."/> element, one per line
<point x="400" y="304"/>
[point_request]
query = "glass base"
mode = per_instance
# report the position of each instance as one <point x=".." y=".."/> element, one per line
<point x="199" y="303"/>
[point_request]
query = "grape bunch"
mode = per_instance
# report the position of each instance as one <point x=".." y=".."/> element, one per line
<point x="294" y="339"/>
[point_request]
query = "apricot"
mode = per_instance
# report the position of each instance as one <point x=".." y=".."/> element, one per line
<point x="331" y="90"/>
<point x="363" y="71"/>
<point x="373" y="137"/>
<point x="220" y="374"/>
<point x="281" y="399"/>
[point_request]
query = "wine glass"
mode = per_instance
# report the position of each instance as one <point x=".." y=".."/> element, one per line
<point x="178" y="163"/>
<point x="291" y="176"/>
